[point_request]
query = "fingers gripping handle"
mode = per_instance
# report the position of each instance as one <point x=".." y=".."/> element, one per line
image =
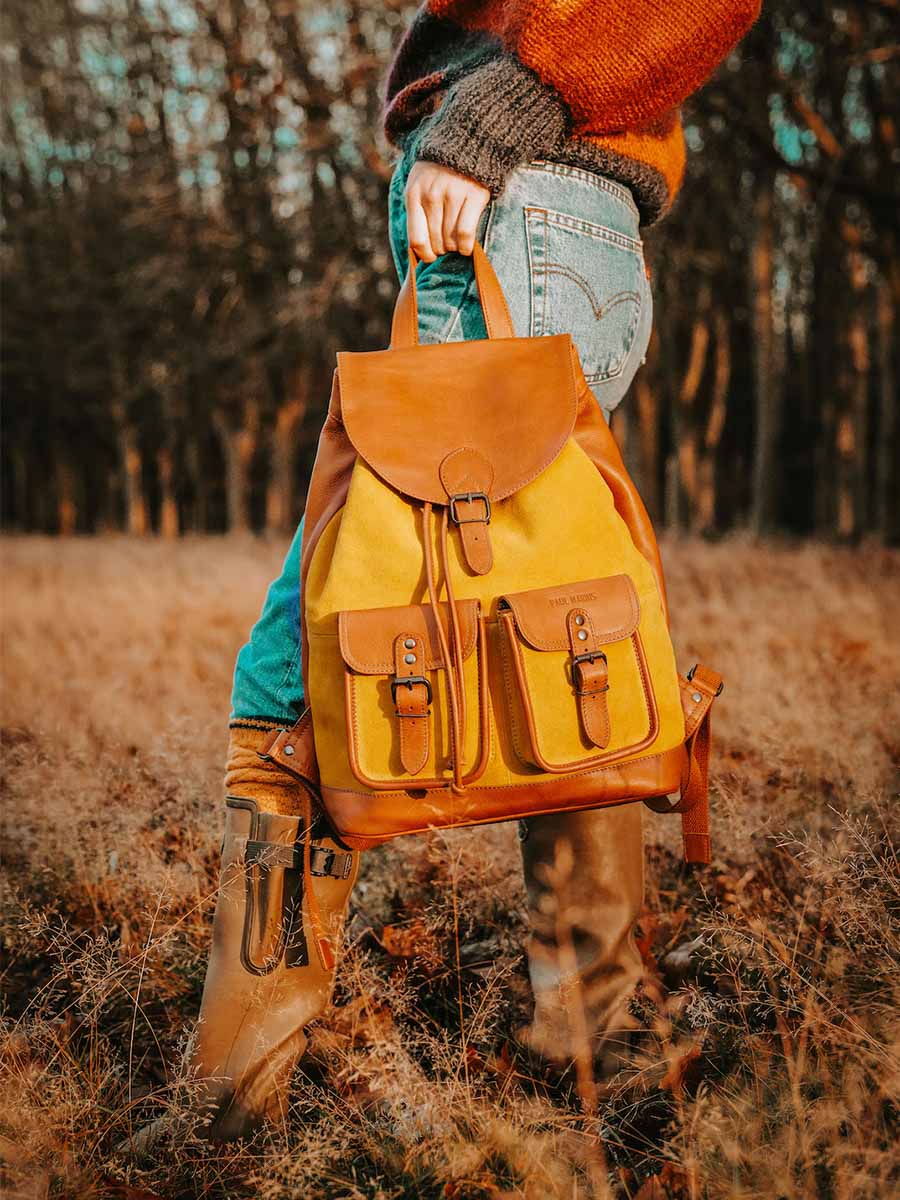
<point x="405" y="325"/>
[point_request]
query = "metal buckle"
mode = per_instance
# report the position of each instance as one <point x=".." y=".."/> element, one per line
<point x="588" y="656"/>
<point x="408" y="681"/>
<point x="470" y="496"/>
<point x="577" y="660"/>
<point x="690" y="677"/>
<point x="320" y="868"/>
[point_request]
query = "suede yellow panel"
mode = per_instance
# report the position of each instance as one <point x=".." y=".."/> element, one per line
<point x="376" y="729"/>
<point x="560" y="528"/>
<point x="560" y="735"/>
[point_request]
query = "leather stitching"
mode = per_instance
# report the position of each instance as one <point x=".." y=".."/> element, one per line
<point x="512" y="695"/>
<point x="607" y="636"/>
<point x="594" y="706"/>
<point x="382" y="787"/>
<point x="362" y="666"/>
<point x="614" y="757"/>
<point x="502" y="787"/>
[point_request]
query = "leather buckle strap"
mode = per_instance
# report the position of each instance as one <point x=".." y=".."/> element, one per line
<point x="698" y="691"/>
<point x="294" y="751"/>
<point x="407" y="681"/>
<point x="335" y="864"/>
<point x="469" y="498"/>
<point x="468" y="478"/>
<point x="413" y="706"/>
<point x="590" y="676"/>
<point x="578" y="680"/>
<point x="706" y="678"/>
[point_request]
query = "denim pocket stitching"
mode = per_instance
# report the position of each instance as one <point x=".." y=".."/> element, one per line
<point x="602" y="232"/>
<point x="591" y="178"/>
<point x="546" y="217"/>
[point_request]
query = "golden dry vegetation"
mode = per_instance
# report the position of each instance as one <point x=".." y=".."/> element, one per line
<point x="116" y="667"/>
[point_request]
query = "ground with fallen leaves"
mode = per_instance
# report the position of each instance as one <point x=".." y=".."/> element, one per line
<point x="116" y="667"/>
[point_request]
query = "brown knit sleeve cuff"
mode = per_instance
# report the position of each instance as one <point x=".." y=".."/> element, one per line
<point x="496" y="117"/>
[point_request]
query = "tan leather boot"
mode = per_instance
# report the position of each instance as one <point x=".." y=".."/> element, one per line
<point x="281" y="905"/>
<point x="584" y="873"/>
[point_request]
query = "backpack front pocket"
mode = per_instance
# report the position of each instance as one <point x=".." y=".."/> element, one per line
<point x="577" y="682"/>
<point x="397" y="695"/>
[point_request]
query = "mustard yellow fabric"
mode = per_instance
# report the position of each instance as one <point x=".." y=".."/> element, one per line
<point x="561" y="528"/>
<point x="561" y="739"/>
<point x="373" y="718"/>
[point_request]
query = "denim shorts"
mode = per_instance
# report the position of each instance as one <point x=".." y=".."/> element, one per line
<point x="566" y="247"/>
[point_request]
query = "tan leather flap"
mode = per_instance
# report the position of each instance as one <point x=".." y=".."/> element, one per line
<point x="512" y="400"/>
<point x="367" y="635"/>
<point x="540" y="615"/>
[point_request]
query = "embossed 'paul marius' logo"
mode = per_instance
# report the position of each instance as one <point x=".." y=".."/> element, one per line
<point x="575" y="598"/>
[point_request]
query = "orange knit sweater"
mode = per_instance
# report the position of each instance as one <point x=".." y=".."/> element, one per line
<point x="597" y="83"/>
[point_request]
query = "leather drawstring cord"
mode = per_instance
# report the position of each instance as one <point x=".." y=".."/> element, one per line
<point x="449" y="663"/>
<point x="458" y="664"/>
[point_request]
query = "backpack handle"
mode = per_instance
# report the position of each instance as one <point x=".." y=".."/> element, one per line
<point x="405" y="325"/>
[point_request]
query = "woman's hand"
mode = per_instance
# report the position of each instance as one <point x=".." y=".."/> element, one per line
<point x="442" y="210"/>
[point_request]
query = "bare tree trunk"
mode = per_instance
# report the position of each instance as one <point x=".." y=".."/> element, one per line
<point x="715" y="424"/>
<point x="199" y="517"/>
<point x="886" y="465"/>
<point x="763" y="504"/>
<point x="689" y="436"/>
<point x="66" y="506"/>
<point x="21" y="509"/>
<point x="858" y="338"/>
<point x="828" y="293"/>
<point x="136" y="522"/>
<point x="851" y="433"/>
<point x="674" y="503"/>
<point x="281" y="492"/>
<point x="168" y="512"/>
<point x="238" y="448"/>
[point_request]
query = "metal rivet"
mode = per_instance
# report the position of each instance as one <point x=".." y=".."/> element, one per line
<point x="289" y="750"/>
<point x="582" y="635"/>
<point x="579" y="620"/>
<point x="409" y="658"/>
<point x="696" y="697"/>
<point x="409" y="643"/>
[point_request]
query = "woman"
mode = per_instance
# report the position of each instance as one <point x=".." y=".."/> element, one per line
<point x="549" y="130"/>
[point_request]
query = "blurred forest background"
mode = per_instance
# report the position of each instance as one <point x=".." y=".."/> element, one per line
<point x="193" y="222"/>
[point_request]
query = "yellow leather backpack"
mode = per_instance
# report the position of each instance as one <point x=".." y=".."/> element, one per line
<point x="485" y="631"/>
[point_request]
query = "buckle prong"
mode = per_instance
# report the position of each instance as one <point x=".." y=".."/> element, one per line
<point x="469" y="497"/>
<point x="588" y="656"/>
<point x="576" y="680"/>
<point x="408" y="681"/>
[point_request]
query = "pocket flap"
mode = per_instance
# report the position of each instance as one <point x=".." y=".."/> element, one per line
<point x="540" y="615"/>
<point x="367" y="635"/>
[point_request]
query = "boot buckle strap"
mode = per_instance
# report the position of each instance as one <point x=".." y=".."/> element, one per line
<point x="323" y="861"/>
<point x="333" y="863"/>
<point x="272" y="854"/>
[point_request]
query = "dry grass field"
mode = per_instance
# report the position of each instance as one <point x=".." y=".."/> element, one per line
<point x="116" y="665"/>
